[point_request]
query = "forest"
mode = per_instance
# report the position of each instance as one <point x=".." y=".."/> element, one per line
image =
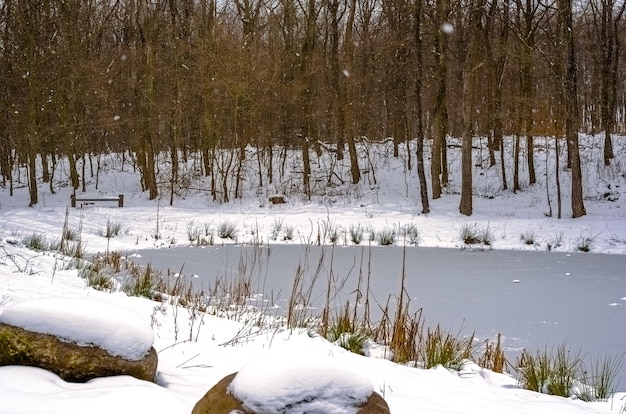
<point x="178" y="77"/>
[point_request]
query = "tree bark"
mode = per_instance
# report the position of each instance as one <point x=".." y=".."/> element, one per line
<point x="348" y="111"/>
<point x="438" y="164"/>
<point x="419" y="75"/>
<point x="571" y="106"/>
<point x="472" y="66"/>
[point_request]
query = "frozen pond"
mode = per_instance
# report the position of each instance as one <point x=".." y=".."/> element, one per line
<point x="534" y="299"/>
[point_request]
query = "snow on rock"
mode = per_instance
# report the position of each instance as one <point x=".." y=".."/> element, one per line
<point x="85" y="322"/>
<point x="305" y="380"/>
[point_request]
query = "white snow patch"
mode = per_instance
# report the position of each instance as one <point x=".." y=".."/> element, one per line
<point x="85" y="322"/>
<point x="447" y="28"/>
<point x="305" y="380"/>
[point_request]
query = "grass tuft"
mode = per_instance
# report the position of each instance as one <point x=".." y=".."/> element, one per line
<point x="585" y="243"/>
<point x="74" y="249"/>
<point x="95" y="277"/>
<point x="599" y="380"/>
<point x="386" y="236"/>
<point x="346" y="332"/>
<point x="193" y="231"/>
<point x="356" y="233"/>
<point x="528" y="237"/>
<point x="227" y="230"/>
<point x="144" y="283"/>
<point x="276" y="227"/>
<point x="113" y="228"/>
<point x="412" y="234"/>
<point x="36" y="241"/>
<point x="486" y="236"/>
<point x="443" y="348"/>
<point x="493" y="357"/>
<point x="469" y="234"/>
<point x="289" y="233"/>
<point x="70" y="234"/>
<point x="551" y="373"/>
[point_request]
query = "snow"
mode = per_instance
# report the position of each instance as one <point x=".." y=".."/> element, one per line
<point x="194" y="355"/>
<point x="118" y="331"/>
<point x="447" y="28"/>
<point x="305" y="379"/>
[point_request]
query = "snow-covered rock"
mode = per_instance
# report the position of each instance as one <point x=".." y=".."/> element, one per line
<point x="77" y="339"/>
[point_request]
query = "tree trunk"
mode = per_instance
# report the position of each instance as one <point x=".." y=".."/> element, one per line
<point x="32" y="178"/>
<point x="527" y="87"/>
<point x="74" y="180"/>
<point x="571" y="107"/>
<point x="418" y="107"/>
<point x="609" y="47"/>
<point x="472" y="65"/>
<point x="308" y="47"/>
<point x="438" y="165"/>
<point x="348" y="110"/>
<point x="516" y="151"/>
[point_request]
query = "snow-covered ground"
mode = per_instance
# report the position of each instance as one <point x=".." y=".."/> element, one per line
<point x="188" y="368"/>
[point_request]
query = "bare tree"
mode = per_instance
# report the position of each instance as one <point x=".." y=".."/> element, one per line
<point x="472" y="64"/>
<point x="607" y="15"/>
<point x="571" y="105"/>
<point x="419" y="115"/>
<point x="497" y="33"/>
<point x="348" y="93"/>
<point x="439" y="162"/>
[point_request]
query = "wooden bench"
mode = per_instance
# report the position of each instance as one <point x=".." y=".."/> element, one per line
<point x="119" y="199"/>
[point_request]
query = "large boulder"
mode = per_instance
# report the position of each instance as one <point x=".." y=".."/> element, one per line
<point x="219" y="400"/>
<point x="72" y="362"/>
<point x="288" y="383"/>
<point x="77" y="339"/>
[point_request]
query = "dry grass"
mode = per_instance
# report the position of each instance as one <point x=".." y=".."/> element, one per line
<point x="493" y="356"/>
<point x="560" y="372"/>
